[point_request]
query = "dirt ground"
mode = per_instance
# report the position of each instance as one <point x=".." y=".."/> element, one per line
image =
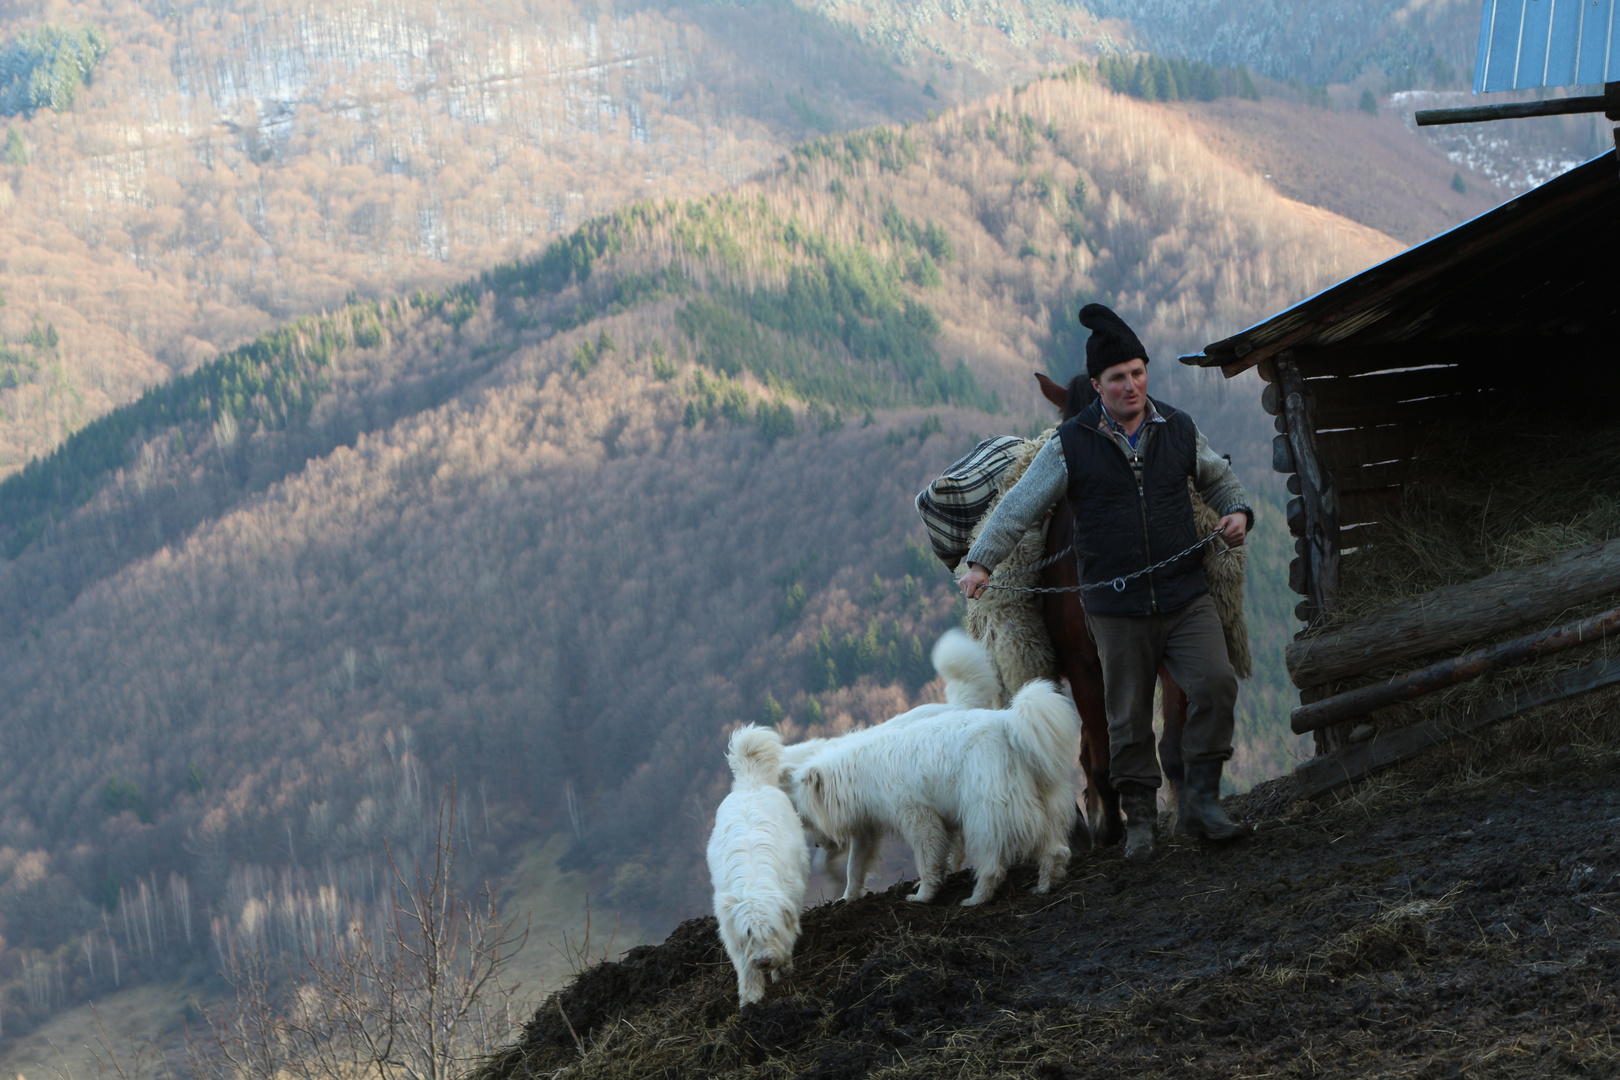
<point x="1470" y="935"/>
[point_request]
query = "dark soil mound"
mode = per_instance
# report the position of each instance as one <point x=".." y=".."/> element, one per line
<point x="1473" y="935"/>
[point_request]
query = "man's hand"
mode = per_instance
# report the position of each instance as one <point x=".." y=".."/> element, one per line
<point x="1234" y="528"/>
<point x="973" y="581"/>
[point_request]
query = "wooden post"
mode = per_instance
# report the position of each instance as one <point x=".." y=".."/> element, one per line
<point x="1319" y="562"/>
<point x="1316" y="490"/>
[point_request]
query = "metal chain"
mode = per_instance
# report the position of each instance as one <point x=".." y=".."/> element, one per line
<point x="1050" y="560"/>
<point x="1117" y="584"/>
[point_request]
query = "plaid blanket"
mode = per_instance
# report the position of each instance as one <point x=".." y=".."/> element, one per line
<point x="953" y="504"/>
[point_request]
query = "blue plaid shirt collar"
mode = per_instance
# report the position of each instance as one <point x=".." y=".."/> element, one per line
<point x="1113" y="428"/>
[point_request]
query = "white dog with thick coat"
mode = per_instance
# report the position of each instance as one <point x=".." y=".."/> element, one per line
<point x="758" y="863"/>
<point x="971" y="682"/>
<point x="1000" y="776"/>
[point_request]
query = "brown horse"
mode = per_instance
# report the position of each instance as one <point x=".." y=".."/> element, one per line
<point x="1078" y="660"/>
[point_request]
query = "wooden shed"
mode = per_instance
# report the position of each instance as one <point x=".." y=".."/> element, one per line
<point x="1514" y="315"/>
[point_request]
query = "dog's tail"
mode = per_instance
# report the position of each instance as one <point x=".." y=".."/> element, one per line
<point x="755" y="755"/>
<point x="1044" y="729"/>
<point x="970" y="676"/>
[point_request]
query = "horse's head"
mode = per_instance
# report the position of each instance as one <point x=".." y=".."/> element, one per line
<point x="1071" y="400"/>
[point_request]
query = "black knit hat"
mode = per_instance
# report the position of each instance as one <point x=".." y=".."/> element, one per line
<point x="1111" y="341"/>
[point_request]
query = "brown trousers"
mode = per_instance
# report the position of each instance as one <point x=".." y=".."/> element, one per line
<point x="1190" y="645"/>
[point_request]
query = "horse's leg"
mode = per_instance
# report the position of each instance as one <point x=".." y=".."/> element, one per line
<point x="1175" y="718"/>
<point x="1077" y="657"/>
<point x="1102" y="800"/>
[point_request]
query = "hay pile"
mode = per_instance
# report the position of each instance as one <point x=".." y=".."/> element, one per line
<point x="1487" y="497"/>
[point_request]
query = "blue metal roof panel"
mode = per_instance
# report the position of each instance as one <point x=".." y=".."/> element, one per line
<point x="1527" y="43"/>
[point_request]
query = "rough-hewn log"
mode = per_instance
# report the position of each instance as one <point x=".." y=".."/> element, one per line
<point x="1350" y="478"/>
<point x="1355" y="535"/>
<point x="1365" y="699"/>
<point x="1294" y="514"/>
<point x="1358" y="760"/>
<point x="1359" y="506"/>
<point x="1282" y="457"/>
<point x="1479" y="357"/>
<point x="1269" y="400"/>
<point x="1360" y="446"/>
<point x="1457" y="615"/>
<point x="1319" y="504"/>
<point x="1389" y="386"/>
<point x="1299" y="576"/>
<point x="1331" y="413"/>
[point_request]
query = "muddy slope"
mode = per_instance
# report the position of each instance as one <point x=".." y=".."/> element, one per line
<point x="1476" y="935"/>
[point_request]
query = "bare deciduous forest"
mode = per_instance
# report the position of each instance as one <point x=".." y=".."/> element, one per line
<point x="228" y="167"/>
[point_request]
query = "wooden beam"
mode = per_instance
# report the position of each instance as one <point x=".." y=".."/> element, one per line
<point x="1348" y="478"/>
<point x="1355" y="508"/>
<point x="1457" y="615"/>
<point x="1379" y="504"/>
<point x="1389" y="386"/>
<point x="1334" y="413"/>
<point x="1353" y="536"/>
<point x="1475" y="361"/>
<point x="1474" y="114"/>
<point x="1365" y="699"/>
<point x="1362" y="446"/>
<point x="1358" y="760"/>
<point x="1269" y="400"/>
<point x="1321" y="523"/>
<point x="1282" y="455"/>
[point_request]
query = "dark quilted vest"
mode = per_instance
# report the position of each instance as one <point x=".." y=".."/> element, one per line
<point x="1121" y="529"/>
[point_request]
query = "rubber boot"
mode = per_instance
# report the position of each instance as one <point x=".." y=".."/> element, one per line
<point x="1200" y="812"/>
<point x="1140" y="806"/>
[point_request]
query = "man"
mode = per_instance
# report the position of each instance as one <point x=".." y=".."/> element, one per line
<point x="1124" y="463"/>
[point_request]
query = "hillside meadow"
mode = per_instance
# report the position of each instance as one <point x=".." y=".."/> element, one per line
<point x="551" y="531"/>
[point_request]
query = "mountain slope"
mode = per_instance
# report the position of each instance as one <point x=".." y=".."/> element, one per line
<point x="1406" y="42"/>
<point x="1434" y="937"/>
<point x="228" y="167"/>
<point x="1372" y="170"/>
<point x="551" y="531"/>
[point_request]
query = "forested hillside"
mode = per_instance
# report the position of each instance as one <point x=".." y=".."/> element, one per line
<point x="215" y="169"/>
<point x="1400" y="43"/>
<point x="549" y="531"/>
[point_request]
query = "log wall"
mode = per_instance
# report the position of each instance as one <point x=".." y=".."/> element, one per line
<point x="1349" y="424"/>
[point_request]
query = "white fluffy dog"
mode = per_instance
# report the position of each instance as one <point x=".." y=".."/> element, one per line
<point x="970" y="683"/>
<point x="1000" y="776"/>
<point x="758" y="864"/>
